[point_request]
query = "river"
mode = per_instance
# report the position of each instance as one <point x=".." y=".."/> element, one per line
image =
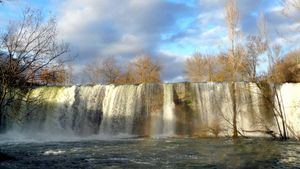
<point x="153" y="153"/>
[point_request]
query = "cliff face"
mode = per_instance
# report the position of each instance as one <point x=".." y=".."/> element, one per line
<point x="180" y="109"/>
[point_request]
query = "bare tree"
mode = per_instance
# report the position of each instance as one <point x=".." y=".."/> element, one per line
<point x="128" y="75"/>
<point x="255" y="46"/>
<point x="286" y="69"/>
<point x="203" y="68"/>
<point x="232" y="19"/>
<point x="146" y="70"/>
<point x="195" y="68"/>
<point x="273" y="95"/>
<point x="55" y="74"/>
<point x="93" y="71"/>
<point x="69" y="69"/>
<point x="141" y="70"/>
<point x="27" y="46"/>
<point x="110" y="71"/>
<point x="104" y="70"/>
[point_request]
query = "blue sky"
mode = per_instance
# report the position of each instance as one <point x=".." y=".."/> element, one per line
<point x="169" y="30"/>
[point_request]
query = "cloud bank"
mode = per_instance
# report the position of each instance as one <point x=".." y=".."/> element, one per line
<point x="169" y="30"/>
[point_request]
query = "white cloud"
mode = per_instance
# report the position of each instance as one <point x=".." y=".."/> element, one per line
<point x="125" y="28"/>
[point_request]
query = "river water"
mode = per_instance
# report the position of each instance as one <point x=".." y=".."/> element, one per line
<point x="153" y="153"/>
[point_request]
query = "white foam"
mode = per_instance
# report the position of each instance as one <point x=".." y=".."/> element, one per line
<point x="54" y="152"/>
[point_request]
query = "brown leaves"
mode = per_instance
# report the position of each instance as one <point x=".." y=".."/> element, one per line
<point x="146" y="70"/>
<point x="53" y="75"/>
<point x="141" y="70"/>
<point x="287" y="69"/>
<point x="200" y="68"/>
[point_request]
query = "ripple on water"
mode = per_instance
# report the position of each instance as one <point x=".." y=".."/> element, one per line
<point x="154" y="153"/>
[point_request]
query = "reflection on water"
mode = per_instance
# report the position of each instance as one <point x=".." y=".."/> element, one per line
<point x="154" y="153"/>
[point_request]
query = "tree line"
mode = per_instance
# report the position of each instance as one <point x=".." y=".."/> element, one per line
<point x="142" y="69"/>
<point x="239" y="63"/>
<point x="244" y="56"/>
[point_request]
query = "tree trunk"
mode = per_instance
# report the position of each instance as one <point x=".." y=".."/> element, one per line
<point x="234" y="107"/>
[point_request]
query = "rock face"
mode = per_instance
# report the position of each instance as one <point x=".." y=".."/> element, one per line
<point x="180" y="109"/>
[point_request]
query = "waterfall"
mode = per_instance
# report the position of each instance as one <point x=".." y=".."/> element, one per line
<point x="49" y="110"/>
<point x="202" y="109"/>
<point x="119" y="108"/>
<point x="73" y="110"/>
<point x="87" y="109"/>
<point x="213" y="106"/>
<point x="290" y="104"/>
<point x="168" y="110"/>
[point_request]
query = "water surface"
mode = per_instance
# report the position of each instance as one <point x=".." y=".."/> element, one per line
<point x="154" y="153"/>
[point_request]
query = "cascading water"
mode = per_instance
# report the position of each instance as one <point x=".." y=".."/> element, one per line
<point x="49" y="110"/>
<point x="119" y="108"/>
<point x="87" y="109"/>
<point x="154" y="109"/>
<point x="288" y="95"/>
<point x="64" y="110"/>
<point x="168" y="111"/>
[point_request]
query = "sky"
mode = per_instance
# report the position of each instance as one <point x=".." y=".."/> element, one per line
<point x="168" y="30"/>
